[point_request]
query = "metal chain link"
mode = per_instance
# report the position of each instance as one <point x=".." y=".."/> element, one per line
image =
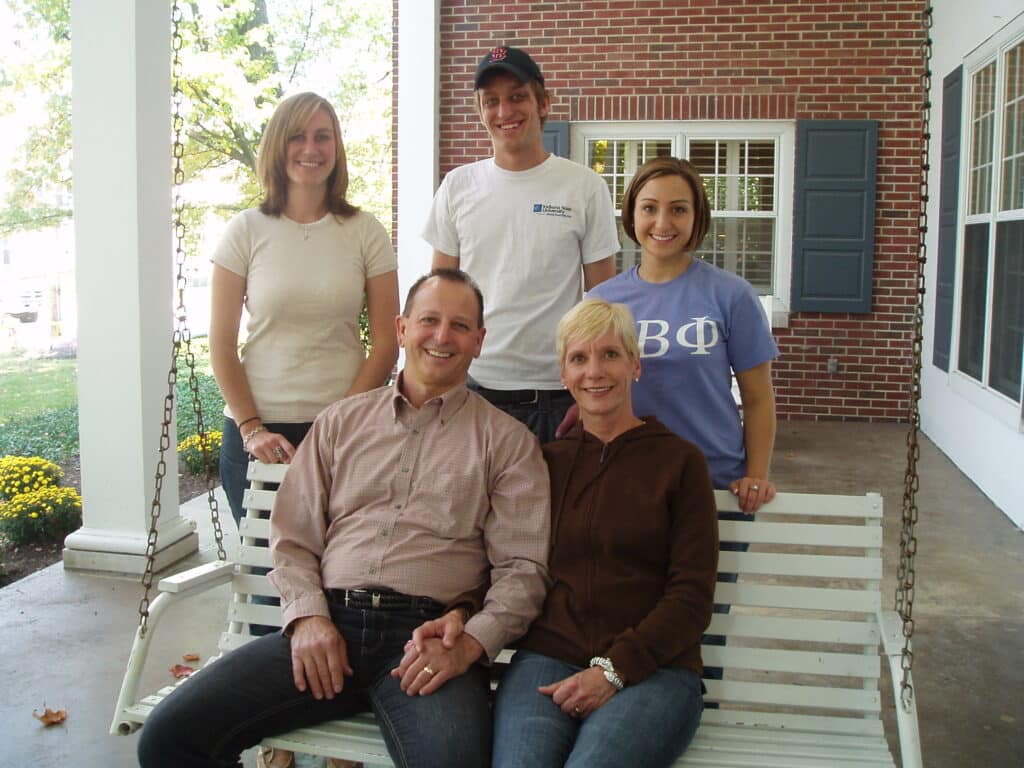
<point x="905" y="574"/>
<point x="181" y="337"/>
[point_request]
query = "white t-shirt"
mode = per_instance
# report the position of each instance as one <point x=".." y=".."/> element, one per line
<point x="304" y="286"/>
<point x="523" y="236"/>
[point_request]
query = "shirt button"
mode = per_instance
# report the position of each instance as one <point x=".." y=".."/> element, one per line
<point x="373" y="570"/>
<point x="398" y="506"/>
<point x="405" y="469"/>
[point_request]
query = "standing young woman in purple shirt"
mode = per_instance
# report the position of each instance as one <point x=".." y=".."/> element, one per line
<point x="697" y="326"/>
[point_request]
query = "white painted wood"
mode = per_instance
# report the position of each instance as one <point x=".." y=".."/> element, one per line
<point x="820" y="688"/>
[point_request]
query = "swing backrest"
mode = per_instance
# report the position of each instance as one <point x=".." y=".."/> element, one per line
<point x="253" y="558"/>
<point x="803" y="629"/>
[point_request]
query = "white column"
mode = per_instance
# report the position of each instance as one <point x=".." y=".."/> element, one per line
<point x="122" y="170"/>
<point x="419" y="63"/>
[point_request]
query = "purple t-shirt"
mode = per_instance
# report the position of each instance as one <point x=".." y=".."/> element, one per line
<point x="694" y="331"/>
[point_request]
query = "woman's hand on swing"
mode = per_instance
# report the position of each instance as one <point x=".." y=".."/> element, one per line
<point x="271" y="448"/>
<point x="752" y="492"/>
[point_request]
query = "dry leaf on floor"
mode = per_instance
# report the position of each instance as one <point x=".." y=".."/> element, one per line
<point x="50" y="716"/>
<point x="181" y="670"/>
<point x="191" y="657"/>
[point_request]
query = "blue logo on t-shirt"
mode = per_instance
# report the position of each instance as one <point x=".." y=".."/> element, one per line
<point x="548" y="209"/>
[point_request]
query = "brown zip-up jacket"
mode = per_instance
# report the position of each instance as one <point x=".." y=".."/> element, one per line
<point x="634" y="552"/>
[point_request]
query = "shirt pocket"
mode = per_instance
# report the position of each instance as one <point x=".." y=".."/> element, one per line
<point x="450" y="505"/>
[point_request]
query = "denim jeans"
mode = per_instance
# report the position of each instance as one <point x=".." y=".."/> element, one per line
<point x="249" y="694"/>
<point x="234" y="463"/>
<point x="648" y="724"/>
<point x="541" y="417"/>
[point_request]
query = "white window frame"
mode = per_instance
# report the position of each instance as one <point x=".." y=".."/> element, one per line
<point x="979" y="393"/>
<point x="681" y="133"/>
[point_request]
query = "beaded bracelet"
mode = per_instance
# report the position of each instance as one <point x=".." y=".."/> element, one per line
<point x="249" y="436"/>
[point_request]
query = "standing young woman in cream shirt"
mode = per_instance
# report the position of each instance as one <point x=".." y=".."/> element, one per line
<point x="300" y="264"/>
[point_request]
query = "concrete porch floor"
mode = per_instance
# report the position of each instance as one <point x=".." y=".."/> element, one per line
<point x="68" y="634"/>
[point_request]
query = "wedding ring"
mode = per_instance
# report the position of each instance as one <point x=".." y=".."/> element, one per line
<point x="428" y="670"/>
<point x="755" y="487"/>
<point x="576" y="711"/>
<point x="278" y="453"/>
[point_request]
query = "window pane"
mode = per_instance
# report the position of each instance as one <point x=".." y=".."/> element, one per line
<point x="742" y="246"/>
<point x="629" y="256"/>
<point x="739" y="175"/>
<point x="1008" y="310"/>
<point x="1013" y="131"/>
<point x="616" y="160"/>
<point x="973" y="300"/>
<point x="982" y="124"/>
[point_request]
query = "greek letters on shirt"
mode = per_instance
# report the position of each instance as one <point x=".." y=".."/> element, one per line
<point x="699" y="336"/>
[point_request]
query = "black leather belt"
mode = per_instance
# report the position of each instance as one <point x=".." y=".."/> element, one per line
<point x="521" y="396"/>
<point x="382" y="599"/>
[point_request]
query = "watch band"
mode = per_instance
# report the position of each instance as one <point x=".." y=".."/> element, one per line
<point x="609" y="671"/>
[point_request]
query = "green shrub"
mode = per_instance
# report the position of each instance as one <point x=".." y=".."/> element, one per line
<point x="52" y="435"/>
<point x="44" y="515"/>
<point x="21" y="474"/>
<point x="198" y="454"/>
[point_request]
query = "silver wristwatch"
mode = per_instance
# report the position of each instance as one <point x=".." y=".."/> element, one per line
<point x="609" y="671"/>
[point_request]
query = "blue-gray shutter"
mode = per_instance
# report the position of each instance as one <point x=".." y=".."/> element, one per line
<point x="949" y="194"/>
<point x="556" y="138"/>
<point x="834" y="216"/>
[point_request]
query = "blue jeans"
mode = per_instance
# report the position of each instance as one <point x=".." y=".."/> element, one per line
<point x="249" y="694"/>
<point x="648" y="724"/>
<point x="541" y="416"/>
<point x="234" y="463"/>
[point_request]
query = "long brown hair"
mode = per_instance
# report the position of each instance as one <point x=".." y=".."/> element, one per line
<point x="290" y="117"/>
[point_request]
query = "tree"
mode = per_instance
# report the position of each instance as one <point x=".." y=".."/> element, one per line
<point x="239" y="57"/>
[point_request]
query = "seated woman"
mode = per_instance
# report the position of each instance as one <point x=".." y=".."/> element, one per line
<point x="610" y="672"/>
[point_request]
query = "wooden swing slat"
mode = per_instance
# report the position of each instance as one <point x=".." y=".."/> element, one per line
<point x="784" y="628"/>
<point x="810" y="598"/>
<point x="795" y="661"/>
<point x="801" y="534"/>
<point x="818" y="566"/>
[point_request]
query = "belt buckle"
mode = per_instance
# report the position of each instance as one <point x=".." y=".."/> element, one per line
<point x="375" y="599"/>
<point x="535" y="400"/>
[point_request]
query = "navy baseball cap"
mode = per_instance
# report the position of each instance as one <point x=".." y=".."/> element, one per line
<point x="512" y="60"/>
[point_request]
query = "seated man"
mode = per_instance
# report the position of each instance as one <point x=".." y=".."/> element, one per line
<point x="401" y="505"/>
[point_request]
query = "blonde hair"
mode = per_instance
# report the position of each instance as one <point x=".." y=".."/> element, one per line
<point x="290" y="117"/>
<point x="592" y="318"/>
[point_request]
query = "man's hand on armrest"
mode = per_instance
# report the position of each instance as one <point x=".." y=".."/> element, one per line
<point x="319" y="656"/>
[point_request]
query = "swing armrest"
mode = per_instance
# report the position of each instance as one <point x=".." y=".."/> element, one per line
<point x="172" y="589"/>
<point x="891" y="626"/>
<point x="198" y="579"/>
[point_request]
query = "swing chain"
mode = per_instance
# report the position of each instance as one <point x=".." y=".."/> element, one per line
<point x="905" y="574"/>
<point x="181" y="336"/>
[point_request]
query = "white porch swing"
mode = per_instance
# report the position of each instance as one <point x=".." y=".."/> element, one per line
<point x="802" y="660"/>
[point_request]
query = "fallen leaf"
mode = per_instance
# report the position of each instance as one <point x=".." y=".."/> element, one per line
<point x="181" y="670"/>
<point x="50" y="716"/>
<point x="191" y="657"/>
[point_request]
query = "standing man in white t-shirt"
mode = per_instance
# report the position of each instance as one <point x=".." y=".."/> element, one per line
<point x="534" y="230"/>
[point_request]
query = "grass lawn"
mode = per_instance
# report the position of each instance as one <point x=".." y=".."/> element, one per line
<point x="29" y="386"/>
<point x="39" y="403"/>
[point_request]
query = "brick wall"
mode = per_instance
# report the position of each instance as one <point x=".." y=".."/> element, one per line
<point x="735" y="59"/>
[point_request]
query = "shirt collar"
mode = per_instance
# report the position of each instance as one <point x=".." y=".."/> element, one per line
<point x="449" y="403"/>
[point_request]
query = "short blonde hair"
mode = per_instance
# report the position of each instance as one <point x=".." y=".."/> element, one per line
<point x="290" y="117"/>
<point x="592" y="318"/>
